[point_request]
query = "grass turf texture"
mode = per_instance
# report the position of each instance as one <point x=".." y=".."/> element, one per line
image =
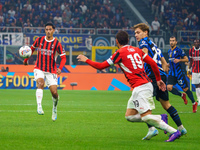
<point x="87" y="120"/>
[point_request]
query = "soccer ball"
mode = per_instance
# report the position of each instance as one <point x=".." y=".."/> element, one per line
<point x="25" y="52"/>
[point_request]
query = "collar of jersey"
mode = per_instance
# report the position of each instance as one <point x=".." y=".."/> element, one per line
<point x="196" y="49"/>
<point x="125" y="45"/>
<point x="173" y="49"/>
<point x="49" y="40"/>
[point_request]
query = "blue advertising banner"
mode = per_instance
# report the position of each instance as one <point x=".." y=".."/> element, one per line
<point x="79" y="42"/>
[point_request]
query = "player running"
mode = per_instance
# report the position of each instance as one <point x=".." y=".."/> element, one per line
<point x="176" y="74"/>
<point x="45" y="70"/>
<point x="130" y="59"/>
<point x="150" y="48"/>
<point x="194" y="55"/>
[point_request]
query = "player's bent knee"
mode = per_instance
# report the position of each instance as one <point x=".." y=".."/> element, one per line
<point x="128" y="118"/>
<point x="41" y="84"/>
<point x="133" y="118"/>
<point x="148" y="119"/>
<point x="169" y="88"/>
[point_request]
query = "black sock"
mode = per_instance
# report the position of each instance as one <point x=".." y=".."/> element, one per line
<point x="174" y="115"/>
<point x="175" y="92"/>
<point x="190" y="95"/>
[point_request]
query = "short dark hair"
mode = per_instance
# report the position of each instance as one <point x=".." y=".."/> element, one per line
<point x="50" y="24"/>
<point x="122" y="37"/>
<point x="173" y="37"/>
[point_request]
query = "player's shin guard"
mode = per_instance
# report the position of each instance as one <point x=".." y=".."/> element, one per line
<point x="155" y="120"/>
<point x="39" y="95"/>
<point x="174" y="115"/>
<point x="134" y="118"/>
<point x="55" y="101"/>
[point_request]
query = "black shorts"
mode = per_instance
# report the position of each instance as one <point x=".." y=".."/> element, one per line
<point x="158" y="93"/>
<point x="181" y="80"/>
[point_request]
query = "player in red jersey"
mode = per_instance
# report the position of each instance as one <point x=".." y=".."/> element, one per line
<point x="194" y="55"/>
<point x="140" y="105"/>
<point x="45" y="66"/>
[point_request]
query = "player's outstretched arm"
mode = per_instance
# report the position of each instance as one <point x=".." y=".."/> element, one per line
<point x="96" y="65"/>
<point x="25" y="62"/>
<point x="82" y="58"/>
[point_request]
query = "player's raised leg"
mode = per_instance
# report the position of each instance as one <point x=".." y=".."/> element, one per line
<point x="156" y="121"/>
<point x="133" y="116"/>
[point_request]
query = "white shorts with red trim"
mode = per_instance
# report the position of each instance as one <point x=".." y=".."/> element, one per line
<point x="50" y="78"/>
<point x="142" y="98"/>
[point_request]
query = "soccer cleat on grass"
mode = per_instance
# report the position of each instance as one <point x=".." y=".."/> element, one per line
<point x="164" y="117"/>
<point x="54" y="114"/>
<point x="183" y="131"/>
<point x="150" y="134"/>
<point x="195" y="107"/>
<point x="174" y="136"/>
<point x="40" y="111"/>
<point x="198" y="102"/>
<point x="184" y="98"/>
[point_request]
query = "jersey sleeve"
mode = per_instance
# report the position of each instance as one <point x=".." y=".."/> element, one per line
<point x="97" y="65"/>
<point x="153" y="65"/>
<point x="114" y="59"/>
<point x="143" y="44"/>
<point x="159" y="52"/>
<point x="35" y="44"/>
<point x="182" y="53"/>
<point x="60" y="49"/>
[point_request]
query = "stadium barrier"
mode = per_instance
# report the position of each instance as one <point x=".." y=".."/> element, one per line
<point x="87" y="78"/>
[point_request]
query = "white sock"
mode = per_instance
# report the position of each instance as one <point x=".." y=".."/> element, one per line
<point x="198" y="93"/>
<point x="55" y="101"/>
<point x="39" y="96"/>
<point x="181" y="127"/>
<point x="134" y="118"/>
<point x="155" y="120"/>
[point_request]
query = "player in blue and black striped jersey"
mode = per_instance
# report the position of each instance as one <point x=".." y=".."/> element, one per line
<point x="176" y="74"/>
<point x="149" y="47"/>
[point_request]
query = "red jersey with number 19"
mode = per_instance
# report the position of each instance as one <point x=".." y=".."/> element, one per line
<point x="47" y="53"/>
<point x="130" y="60"/>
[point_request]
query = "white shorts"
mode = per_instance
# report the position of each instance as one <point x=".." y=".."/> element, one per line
<point x="50" y="78"/>
<point x="142" y="98"/>
<point x="195" y="78"/>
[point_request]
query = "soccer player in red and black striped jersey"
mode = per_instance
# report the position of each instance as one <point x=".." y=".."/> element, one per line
<point x="45" y="70"/>
<point x="194" y="55"/>
<point x="140" y="105"/>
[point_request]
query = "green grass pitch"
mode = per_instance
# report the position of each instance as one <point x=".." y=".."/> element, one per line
<point x="87" y="120"/>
